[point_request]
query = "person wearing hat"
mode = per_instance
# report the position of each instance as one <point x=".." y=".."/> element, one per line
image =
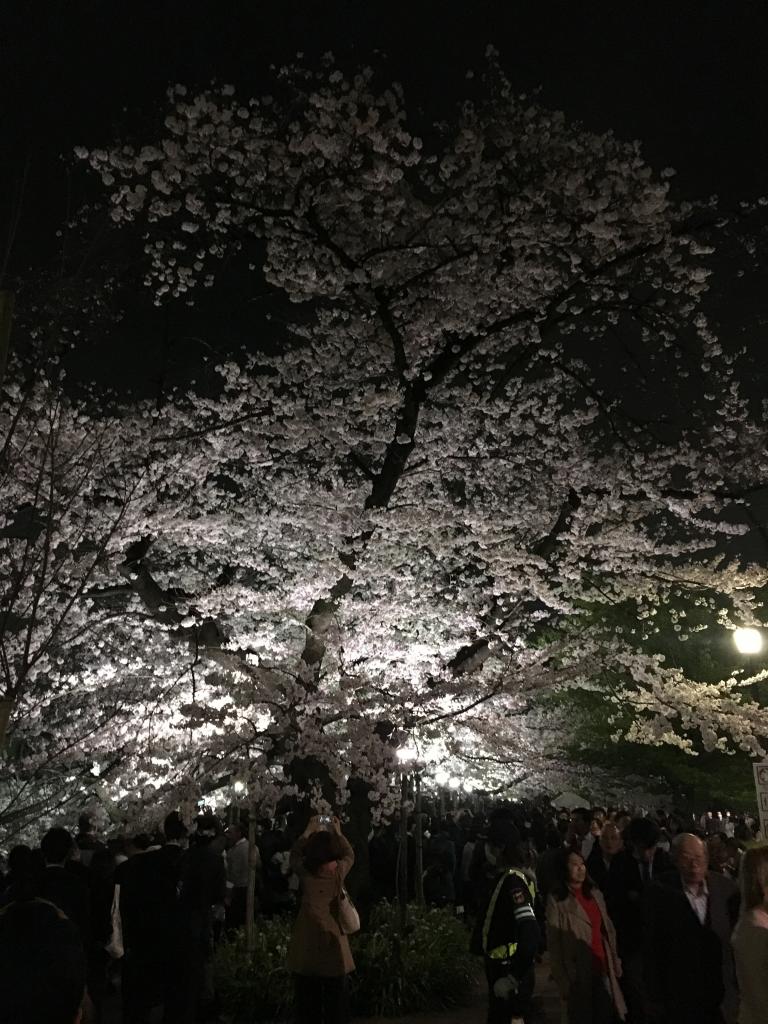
<point x="319" y="956"/>
<point x="506" y="932"/>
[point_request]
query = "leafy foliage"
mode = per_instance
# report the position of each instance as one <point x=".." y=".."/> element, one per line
<point x="256" y="986"/>
<point x="428" y="968"/>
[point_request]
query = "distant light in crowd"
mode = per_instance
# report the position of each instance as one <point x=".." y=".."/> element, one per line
<point x="406" y="754"/>
<point x="239" y="787"/>
<point x="454" y="783"/>
<point x="441" y="777"/>
<point x="748" y="640"/>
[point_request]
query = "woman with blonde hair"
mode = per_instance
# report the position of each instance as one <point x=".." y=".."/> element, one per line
<point x="750" y="937"/>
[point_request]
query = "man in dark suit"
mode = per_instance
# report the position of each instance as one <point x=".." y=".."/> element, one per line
<point x="147" y="892"/>
<point x="631" y="872"/>
<point x="62" y="886"/>
<point x="690" y="913"/>
<point x="605" y="849"/>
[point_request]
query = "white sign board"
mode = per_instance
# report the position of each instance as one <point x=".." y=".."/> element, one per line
<point x="761" y="788"/>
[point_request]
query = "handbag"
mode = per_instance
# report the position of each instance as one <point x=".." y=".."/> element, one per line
<point x="346" y="912"/>
<point x="115" y="947"/>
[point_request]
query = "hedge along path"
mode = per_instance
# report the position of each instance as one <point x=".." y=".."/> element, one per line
<point x="546" y="1005"/>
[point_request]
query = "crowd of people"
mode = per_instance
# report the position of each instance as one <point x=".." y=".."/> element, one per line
<point x="640" y="918"/>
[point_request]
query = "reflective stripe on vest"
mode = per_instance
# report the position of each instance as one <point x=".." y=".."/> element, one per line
<point x="508" y="950"/>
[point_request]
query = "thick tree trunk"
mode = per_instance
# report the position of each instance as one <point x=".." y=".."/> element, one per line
<point x="357" y="829"/>
<point x="250" y="898"/>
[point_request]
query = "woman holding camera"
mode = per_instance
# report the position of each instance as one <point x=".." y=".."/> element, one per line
<point x="319" y="955"/>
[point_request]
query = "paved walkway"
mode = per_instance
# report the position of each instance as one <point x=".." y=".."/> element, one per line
<point x="546" y="1009"/>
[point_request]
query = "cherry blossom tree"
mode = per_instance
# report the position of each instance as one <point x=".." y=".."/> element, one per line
<point x="413" y="520"/>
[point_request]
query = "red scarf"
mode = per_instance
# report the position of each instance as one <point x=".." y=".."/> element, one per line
<point x="596" y="920"/>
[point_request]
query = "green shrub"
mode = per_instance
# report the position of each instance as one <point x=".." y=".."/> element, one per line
<point x="427" y="968"/>
<point x="256" y="986"/>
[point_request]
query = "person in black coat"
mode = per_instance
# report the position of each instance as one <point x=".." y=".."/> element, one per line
<point x="203" y="879"/>
<point x="605" y="849"/>
<point x="631" y="872"/>
<point x="690" y="914"/>
<point x="147" y="894"/>
<point x="507" y="933"/>
<point x="64" y="888"/>
<point x="24" y="868"/>
<point x="42" y="965"/>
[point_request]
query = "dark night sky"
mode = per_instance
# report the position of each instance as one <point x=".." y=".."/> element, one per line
<point x="687" y="78"/>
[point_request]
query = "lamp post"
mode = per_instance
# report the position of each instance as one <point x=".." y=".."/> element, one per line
<point x="407" y="756"/>
<point x="748" y="640"/>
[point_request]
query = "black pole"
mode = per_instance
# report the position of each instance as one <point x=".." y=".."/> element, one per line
<point x="419" y="869"/>
<point x="402" y="885"/>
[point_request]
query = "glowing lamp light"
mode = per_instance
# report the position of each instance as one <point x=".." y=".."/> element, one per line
<point x="748" y="640"/>
<point x="454" y="783"/>
<point x="406" y="754"/>
<point x="441" y="777"/>
<point x="239" y="787"/>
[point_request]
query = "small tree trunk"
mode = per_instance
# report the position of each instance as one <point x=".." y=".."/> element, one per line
<point x="6" y="706"/>
<point x="250" y="898"/>
<point x="419" y="837"/>
<point x="6" y="315"/>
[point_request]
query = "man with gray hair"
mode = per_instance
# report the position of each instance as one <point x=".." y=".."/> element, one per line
<point x="690" y="913"/>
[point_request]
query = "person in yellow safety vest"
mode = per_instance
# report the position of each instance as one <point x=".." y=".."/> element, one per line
<point x="508" y="936"/>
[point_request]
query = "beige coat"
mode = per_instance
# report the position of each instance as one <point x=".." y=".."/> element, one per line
<point x="569" y="941"/>
<point x="318" y="946"/>
<point x="750" y="944"/>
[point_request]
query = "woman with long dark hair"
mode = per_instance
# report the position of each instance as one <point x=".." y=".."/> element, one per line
<point x="582" y="946"/>
<point x="319" y="955"/>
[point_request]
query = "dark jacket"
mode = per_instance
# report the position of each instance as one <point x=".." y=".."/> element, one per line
<point x="597" y="869"/>
<point x="689" y="967"/>
<point x="203" y="883"/>
<point x="148" y="898"/>
<point x="624" y="891"/>
<point x="70" y="894"/>
<point x="507" y="919"/>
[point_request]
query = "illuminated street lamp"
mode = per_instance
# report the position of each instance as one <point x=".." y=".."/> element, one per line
<point x="407" y="755"/>
<point x="748" y="640"/>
